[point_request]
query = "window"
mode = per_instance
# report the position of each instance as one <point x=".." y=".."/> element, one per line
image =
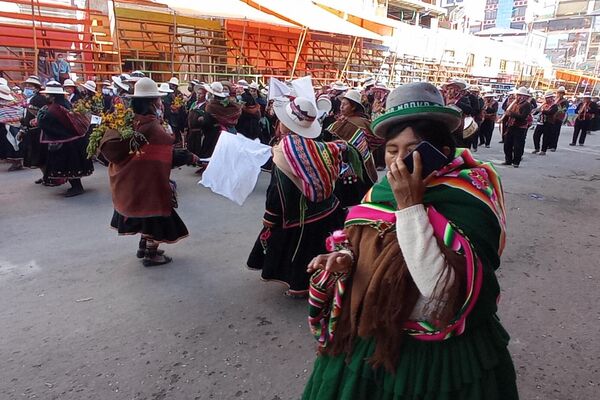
<point x="487" y="62"/>
<point x="448" y="54"/>
<point x="470" y="60"/>
<point x="518" y="11"/>
<point x="490" y="15"/>
<point x="503" y="65"/>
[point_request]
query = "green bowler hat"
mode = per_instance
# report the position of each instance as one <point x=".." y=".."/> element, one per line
<point x="415" y="101"/>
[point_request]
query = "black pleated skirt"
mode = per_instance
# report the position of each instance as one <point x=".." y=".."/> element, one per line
<point x="69" y="160"/>
<point x="160" y="229"/>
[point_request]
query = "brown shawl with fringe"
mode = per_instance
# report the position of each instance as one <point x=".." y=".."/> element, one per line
<point x="226" y="115"/>
<point x="346" y="128"/>
<point x="140" y="182"/>
<point x="380" y="277"/>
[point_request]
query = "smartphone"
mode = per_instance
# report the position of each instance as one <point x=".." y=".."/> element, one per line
<point x="431" y="158"/>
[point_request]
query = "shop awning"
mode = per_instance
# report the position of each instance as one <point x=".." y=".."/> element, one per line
<point x="364" y="18"/>
<point x="420" y="6"/>
<point x="226" y="9"/>
<point x="307" y="14"/>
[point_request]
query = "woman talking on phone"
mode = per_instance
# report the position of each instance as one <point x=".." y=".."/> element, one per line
<point x="404" y="306"/>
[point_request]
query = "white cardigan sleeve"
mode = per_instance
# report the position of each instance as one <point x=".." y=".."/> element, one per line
<point x="420" y="249"/>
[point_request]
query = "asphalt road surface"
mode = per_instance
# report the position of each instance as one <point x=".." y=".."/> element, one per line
<point x="81" y="318"/>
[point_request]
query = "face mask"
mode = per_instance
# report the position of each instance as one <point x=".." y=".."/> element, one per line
<point x="106" y="91"/>
<point x="159" y="113"/>
<point x="28" y="92"/>
<point x="239" y="97"/>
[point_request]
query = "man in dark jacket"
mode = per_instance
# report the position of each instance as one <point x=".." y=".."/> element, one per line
<point x="518" y="114"/>
<point x="585" y="111"/>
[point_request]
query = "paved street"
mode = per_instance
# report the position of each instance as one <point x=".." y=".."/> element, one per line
<point x="81" y="318"/>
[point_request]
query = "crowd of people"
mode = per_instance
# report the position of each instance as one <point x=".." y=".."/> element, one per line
<point x="399" y="270"/>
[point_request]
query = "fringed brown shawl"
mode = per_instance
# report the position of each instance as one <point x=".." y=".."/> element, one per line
<point x="140" y="182"/>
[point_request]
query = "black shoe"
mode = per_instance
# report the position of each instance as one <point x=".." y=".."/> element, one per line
<point x="581" y="144"/>
<point x="553" y="150"/>
<point x="72" y="192"/>
<point x="141" y="253"/>
<point x="487" y="146"/>
<point x="571" y="144"/>
<point x="506" y="163"/>
<point x="39" y="181"/>
<point x="516" y="165"/>
<point x="152" y="262"/>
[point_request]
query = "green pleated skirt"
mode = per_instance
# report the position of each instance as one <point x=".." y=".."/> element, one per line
<point x="472" y="366"/>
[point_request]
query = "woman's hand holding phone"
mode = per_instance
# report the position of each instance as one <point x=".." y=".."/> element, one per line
<point x="408" y="188"/>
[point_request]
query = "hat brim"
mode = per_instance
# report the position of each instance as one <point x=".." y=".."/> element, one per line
<point x="47" y="92"/>
<point x="83" y="85"/>
<point x="461" y="85"/>
<point x="446" y="115"/>
<point x="146" y="96"/>
<point x="359" y="105"/>
<point x="9" y="96"/>
<point x="312" y="132"/>
<point x="32" y="82"/>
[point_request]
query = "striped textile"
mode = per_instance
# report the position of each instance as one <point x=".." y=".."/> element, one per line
<point x="11" y="111"/>
<point x="316" y="164"/>
<point x="460" y="189"/>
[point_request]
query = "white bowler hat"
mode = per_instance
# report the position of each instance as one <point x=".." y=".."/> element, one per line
<point x="339" y="85"/>
<point x="3" y="81"/>
<point x="34" y="80"/>
<point x="89" y="85"/>
<point x="586" y="96"/>
<point x="120" y="81"/>
<point x="106" y="83"/>
<point x="299" y="115"/>
<point x="381" y="86"/>
<point x="146" y="88"/>
<point x="490" y="94"/>
<point x="561" y="89"/>
<point x="164" y="88"/>
<point x="243" y="83"/>
<point x="134" y="76"/>
<point x="217" y="89"/>
<point x="253" y="85"/>
<point x="323" y="105"/>
<point x="174" y="81"/>
<point x="549" y="94"/>
<point x="53" y="87"/>
<point x="461" y="83"/>
<point x="5" y="93"/>
<point x="69" y="83"/>
<point x="522" y="91"/>
<point x="354" y="96"/>
<point x="368" y="82"/>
